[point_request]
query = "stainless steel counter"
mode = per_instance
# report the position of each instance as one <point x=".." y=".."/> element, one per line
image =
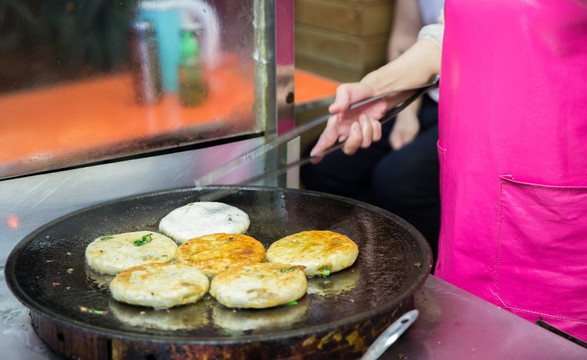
<point x="453" y="324"/>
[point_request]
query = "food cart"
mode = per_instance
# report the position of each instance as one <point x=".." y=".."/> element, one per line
<point x="75" y="145"/>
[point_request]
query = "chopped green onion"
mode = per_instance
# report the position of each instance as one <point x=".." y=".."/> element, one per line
<point x="325" y="272"/>
<point x="93" y="311"/>
<point x="145" y="239"/>
<point x="292" y="303"/>
<point x="106" y="237"/>
<point x="232" y="332"/>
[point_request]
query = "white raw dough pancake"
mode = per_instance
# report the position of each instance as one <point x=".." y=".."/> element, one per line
<point x="159" y="285"/>
<point x="321" y="252"/>
<point x="259" y="286"/>
<point x="115" y="253"/>
<point x="214" y="253"/>
<point x="203" y="218"/>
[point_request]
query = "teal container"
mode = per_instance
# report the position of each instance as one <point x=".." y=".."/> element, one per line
<point x="167" y="21"/>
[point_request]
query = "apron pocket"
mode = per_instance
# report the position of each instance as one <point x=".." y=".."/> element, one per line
<point x="542" y="249"/>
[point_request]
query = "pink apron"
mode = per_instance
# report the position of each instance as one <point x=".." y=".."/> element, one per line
<point x="513" y="156"/>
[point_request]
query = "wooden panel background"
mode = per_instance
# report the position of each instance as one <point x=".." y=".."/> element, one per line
<point x="342" y="39"/>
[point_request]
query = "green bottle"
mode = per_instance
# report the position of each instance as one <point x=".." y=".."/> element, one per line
<point x="192" y="87"/>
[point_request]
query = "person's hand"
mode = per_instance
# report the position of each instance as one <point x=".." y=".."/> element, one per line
<point x="405" y="129"/>
<point x="359" y="127"/>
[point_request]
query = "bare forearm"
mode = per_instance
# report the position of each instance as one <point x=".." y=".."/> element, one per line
<point x="407" y="22"/>
<point x="412" y="68"/>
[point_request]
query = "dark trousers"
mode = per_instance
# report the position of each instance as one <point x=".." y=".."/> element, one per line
<point x="404" y="182"/>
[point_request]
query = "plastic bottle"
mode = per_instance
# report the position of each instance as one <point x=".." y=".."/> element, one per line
<point x="192" y="87"/>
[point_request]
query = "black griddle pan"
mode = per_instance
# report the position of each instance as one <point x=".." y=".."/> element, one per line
<point x="341" y="315"/>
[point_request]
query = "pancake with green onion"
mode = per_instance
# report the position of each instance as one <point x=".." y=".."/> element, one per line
<point x="322" y="252"/>
<point x="214" y="253"/>
<point x="112" y="254"/>
<point x="159" y="285"/>
<point x="259" y="286"/>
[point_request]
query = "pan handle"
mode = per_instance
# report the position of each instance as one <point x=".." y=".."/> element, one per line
<point x="390" y="335"/>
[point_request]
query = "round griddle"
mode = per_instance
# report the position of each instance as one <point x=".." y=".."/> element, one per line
<point x="73" y="312"/>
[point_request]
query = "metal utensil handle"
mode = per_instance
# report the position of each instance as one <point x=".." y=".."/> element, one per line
<point x="390" y="335"/>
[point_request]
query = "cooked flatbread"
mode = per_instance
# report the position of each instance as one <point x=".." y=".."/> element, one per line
<point x="159" y="285"/>
<point x="115" y="253"/>
<point x="216" y="252"/>
<point x="259" y="286"/>
<point x="321" y="252"/>
<point x="203" y="218"/>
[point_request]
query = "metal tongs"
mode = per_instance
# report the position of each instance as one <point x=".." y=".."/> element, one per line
<point x="232" y="165"/>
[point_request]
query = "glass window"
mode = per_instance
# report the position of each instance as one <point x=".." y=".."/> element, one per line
<point x="85" y="81"/>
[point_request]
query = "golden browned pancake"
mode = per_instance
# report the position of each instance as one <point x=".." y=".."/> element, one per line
<point x="159" y="285"/>
<point x="114" y="253"/>
<point x="321" y="252"/>
<point x="259" y="286"/>
<point x="216" y="252"/>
